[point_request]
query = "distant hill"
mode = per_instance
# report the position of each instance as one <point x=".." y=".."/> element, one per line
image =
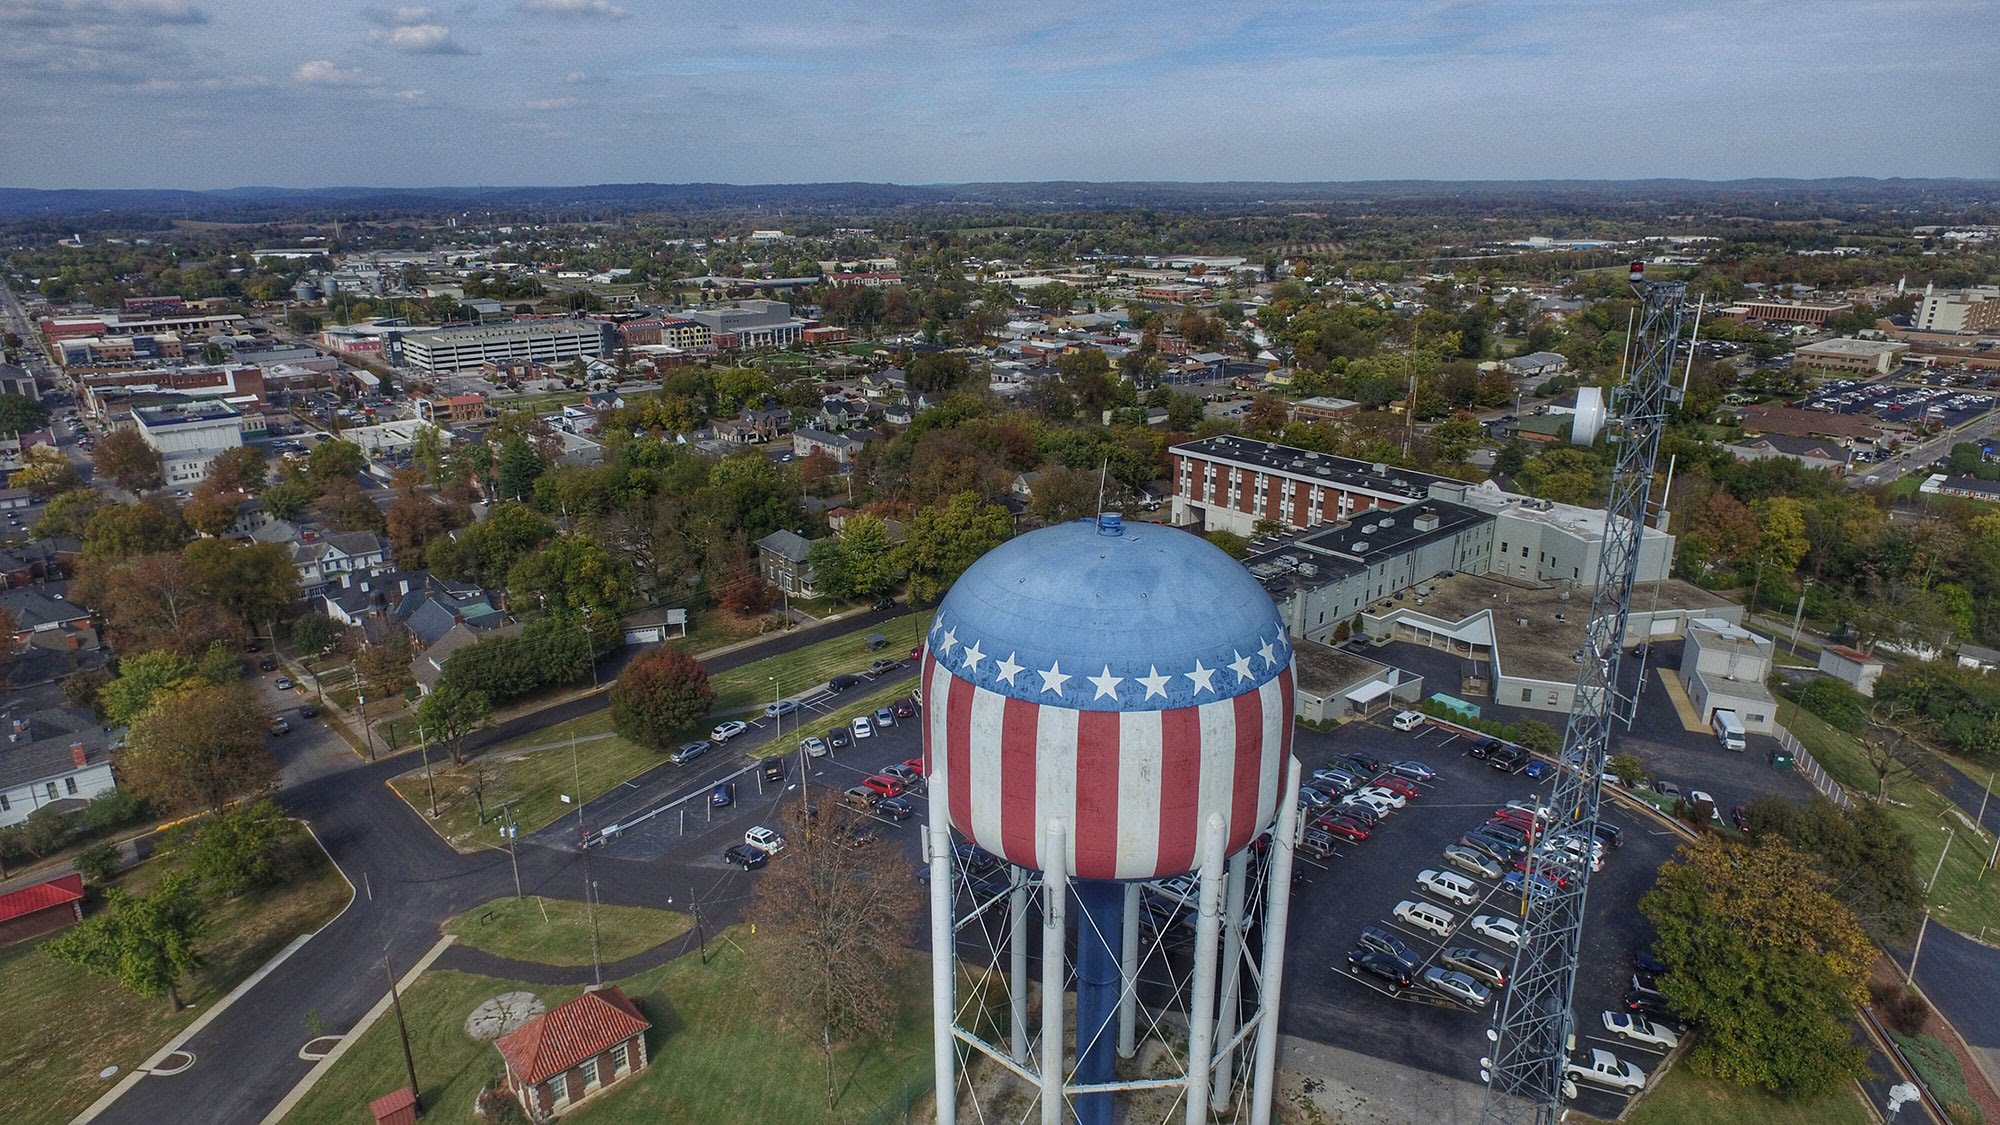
<point x="271" y="204"/>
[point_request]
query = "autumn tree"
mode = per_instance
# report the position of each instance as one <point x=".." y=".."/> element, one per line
<point x="1781" y="540"/>
<point x="68" y="514"/>
<point x="158" y="601"/>
<point x="385" y="665"/>
<point x="211" y="511"/>
<point x="45" y="472"/>
<point x="141" y="679"/>
<point x="144" y="942"/>
<point x="241" y="469"/>
<point x="1765" y="959"/>
<point x="335" y="460"/>
<point x="121" y="531"/>
<point x="253" y="581"/>
<point x="124" y="458"/>
<point x="660" y="694"/>
<point x="839" y="918"/>
<point x="345" y="506"/>
<point x="200" y="747"/>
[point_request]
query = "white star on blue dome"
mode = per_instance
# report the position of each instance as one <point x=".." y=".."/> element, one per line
<point x="1053" y="678"/>
<point x="972" y="656"/>
<point x="1107" y="684"/>
<point x="1202" y="678"/>
<point x="1006" y="670"/>
<point x="1156" y="684"/>
<point x="1240" y="666"/>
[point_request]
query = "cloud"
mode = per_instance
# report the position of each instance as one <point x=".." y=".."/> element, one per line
<point x="323" y="72"/>
<point x="400" y="17"/>
<point x="550" y="105"/>
<point x="419" y="39"/>
<point x="75" y="13"/>
<point x="584" y="9"/>
<point x="575" y="78"/>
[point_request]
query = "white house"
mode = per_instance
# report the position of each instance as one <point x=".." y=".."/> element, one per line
<point x="326" y="555"/>
<point x="56" y="756"/>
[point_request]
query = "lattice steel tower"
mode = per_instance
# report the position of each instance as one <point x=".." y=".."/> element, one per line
<point x="1524" y="1073"/>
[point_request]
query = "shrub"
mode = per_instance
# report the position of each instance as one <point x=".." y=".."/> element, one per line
<point x="1627" y="768"/>
<point x="498" y="1107"/>
<point x="1540" y="736"/>
<point x="46" y="830"/>
<point x="1902" y="1008"/>
<point x="98" y="863"/>
<point x="111" y="809"/>
<point x="1835" y="701"/>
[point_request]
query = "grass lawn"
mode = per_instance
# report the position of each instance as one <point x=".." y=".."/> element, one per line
<point x="556" y="931"/>
<point x="750" y="687"/>
<point x="717" y="1057"/>
<point x="530" y="782"/>
<point x="1960" y="899"/>
<point x="61" y="1025"/>
<point x="1686" y="1098"/>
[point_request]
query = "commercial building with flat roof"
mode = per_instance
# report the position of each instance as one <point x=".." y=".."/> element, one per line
<point x="1787" y="312"/>
<point x="1229" y="483"/>
<point x="189" y="437"/>
<point x="1870" y="357"/>
<point x="465" y="349"/>
<point x="1960" y="310"/>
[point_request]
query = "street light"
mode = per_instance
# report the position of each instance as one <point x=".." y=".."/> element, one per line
<point x="1949" y="835"/>
<point x="1930" y="888"/>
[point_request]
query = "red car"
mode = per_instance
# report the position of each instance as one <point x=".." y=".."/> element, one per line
<point x="1345" y="827"/>
<point x="917" y="764"/>
<point x="1546" y="870"/>
<point x="883" y="784"/>
<point x="1400" y="786"/>
<point x="1516" y="817"/>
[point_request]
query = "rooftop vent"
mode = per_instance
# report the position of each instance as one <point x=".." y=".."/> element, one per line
<point x="1381" y="467"/>
<point x="1360" y="546"/>
<point x="1425" y="521"/>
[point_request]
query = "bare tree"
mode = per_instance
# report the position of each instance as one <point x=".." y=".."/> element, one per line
<point x="1890" y="749"/>
<point x="841" y="916"/>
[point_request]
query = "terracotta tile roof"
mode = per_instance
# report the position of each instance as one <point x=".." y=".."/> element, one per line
<point x="41" y="896"/>
<point x="566" y="1035"/>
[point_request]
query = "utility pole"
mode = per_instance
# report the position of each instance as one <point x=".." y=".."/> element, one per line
<point x="583" y="845"/>
<point x="403" y="1029"/>
<point x="424" y="748"/>
<point x="510" y="830"/>
<point x="1799" y="618"/>
<point x="366" y="740"/>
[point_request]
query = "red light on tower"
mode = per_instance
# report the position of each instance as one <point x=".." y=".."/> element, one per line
<point x="1638" y="271"/>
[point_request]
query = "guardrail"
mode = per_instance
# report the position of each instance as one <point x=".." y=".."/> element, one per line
<point x="1803" y="762"/>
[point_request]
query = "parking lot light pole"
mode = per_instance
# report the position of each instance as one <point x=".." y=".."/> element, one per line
<point x="1949" y="836"/>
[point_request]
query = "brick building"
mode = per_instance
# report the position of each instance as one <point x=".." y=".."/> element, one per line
<point x="574" y="1051"/>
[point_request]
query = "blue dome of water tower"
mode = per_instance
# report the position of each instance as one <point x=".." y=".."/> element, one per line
<point x="1100" y="615"/>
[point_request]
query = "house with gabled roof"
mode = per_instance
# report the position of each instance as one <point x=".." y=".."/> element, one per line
<point x="575" y="1051"/>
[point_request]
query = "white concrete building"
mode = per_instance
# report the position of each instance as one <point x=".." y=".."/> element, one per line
<point x="542" y="341"/>
<point x="189" y="437"/>
<point x="1723" y="667"/>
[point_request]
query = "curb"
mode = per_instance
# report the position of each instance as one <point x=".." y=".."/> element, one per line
<point x="353" y="1036"/>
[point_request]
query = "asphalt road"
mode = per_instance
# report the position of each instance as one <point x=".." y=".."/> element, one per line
<point x="407" y="882"/>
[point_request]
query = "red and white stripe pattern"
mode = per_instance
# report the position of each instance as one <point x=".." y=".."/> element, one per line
<point x="1133" y="787"/>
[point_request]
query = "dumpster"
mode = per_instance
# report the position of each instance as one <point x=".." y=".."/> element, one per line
<point x="1781" y="759"/>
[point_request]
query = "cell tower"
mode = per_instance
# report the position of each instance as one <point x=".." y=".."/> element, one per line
<point x="1524" y="1072"/>
<point x="1107" y="742"/>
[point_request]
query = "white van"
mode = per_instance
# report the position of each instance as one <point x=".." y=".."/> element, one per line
<point x="1728" y="730"/>
<point x="1407" y="720"/>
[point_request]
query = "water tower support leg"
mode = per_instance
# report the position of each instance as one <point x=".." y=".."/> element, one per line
<point x="944" y="966"/>
<point x="1277" y="914"/>
<point x="1128" y="964"/>
<point x="1055" y="907"/>
<point x="1017" y="958"/>
<point x="1232" y="977"/>
<point x="1201" y="1006"/>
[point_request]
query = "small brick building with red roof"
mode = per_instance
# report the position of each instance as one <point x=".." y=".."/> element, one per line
<point x="573" y="1051"/>
<point x="40" y="909"/>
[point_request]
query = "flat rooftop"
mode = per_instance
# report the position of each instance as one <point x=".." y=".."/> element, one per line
<point x="1305" y="559"/>
<point x="1379" y="477"/>
<point x="1546" y="647"/>
<point x="450" y="337"/>
<point x="1847" y="346"/>
<point x="1322" y="670"/>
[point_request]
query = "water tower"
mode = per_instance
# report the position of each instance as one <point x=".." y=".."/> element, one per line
<point x="1106" y="706"/>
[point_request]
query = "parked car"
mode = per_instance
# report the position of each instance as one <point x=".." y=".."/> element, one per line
<point x="884" y="717"/>
<point x="860" y="798"/>
<point x="1407" y="720"/>
<point x="1382" y="941"/>
<point x="1476" y="963"/>
<point x="883" y="784"/>
<point x="1739" y="815"/>
<point x="1449" y="886"/>
<point x="902" y="773"/>
<point x="1472" y="861"/>
<point x="883" y="667"/>
<point x="1639" y="1029"/>
<point x="764" y="839"/>
<point x="773" y="770"/>
<point x="722" y="796"/>
<point x="1666" y="788"/>
<point x="1647" y="962"/>
<point x="281" y="726"/>
<point x="1506" y="931"/>
<point x="1386" y="967"/>
<point x="1532" y="807"/>
<point x="1538" y="884"/>
<point x="1318" y="843"/>
<point x="1414" y="770"/>
<point x="308" y="711"/>
<point x="1367" y="814"/>
<point x="1697" y="798"/>
<point x="895" y="808"/>
<point x="1505" y="830"/>
<point x="1345" y="780"/>
<point x="1608" y="1071"/>
<point x="1343" y="826"/>
<point x="1367" y="762"/>
<point x="1456" y="986"/>
<point x="1610" y="833"/>
<point x="839" y="737"/>
<point x="267" y="664"/>
<point x="781" y="708"/>
<point x="1506" y="758"/>
<point x="916" y="764"/>
<point x="1654" y="1007"/>
<point x="863" y="728"/>
<point x="1426" y="917"/>
<point x="1381" y="800"/>
<point x="1484" y="746"/>
<point x="723" y="732"/>
<point x="688" y="751"/>
<point x="1400" y="786"/>
<point x="814" y="747"/>
<point x="1495" y="850"/>
<point x="1314" y="798"/>
<point x="842" y="682"/>
<point x="283" y="684"/>
<point x="745" y="856"/>
<point x="904" y="708"/>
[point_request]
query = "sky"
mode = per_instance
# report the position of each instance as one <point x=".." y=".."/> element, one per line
<point x="220" y="93"/>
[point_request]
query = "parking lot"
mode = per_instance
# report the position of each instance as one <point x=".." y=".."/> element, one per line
<point x="1902" y="405"/>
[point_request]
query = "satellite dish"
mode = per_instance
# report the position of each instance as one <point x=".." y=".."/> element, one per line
<point x="1590" y="414"/>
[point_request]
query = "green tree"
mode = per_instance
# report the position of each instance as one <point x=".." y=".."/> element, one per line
<point x="1568" y="476"/>
<point x="144" y="942"/>
<point x="240" y="849"/>
<point x="660" y="694"/>
<point x="572" y="574"/>
<point x="519" y="467"/>
<point x="124" y="458"/>
<point x="20" y="414"/>
<point x="336" y="459"/>
<point x="122" y="531"/>
<point x="1512" y="458"/>
<point x="314" y="634"/>
<point x="857" y="563"/>
<point x="1452" y="441"/>
<point x="1765" y="959"/>
<point x="67" y="515"/>
<point x="450" y="713"/>
<point x="46" y="472"/>
<point x="254" y="581"/>
<point x="940" y="543"/>
<point x="1781" y="540"/>
<point x="237" y="470"/>
<point x="1232" y="544"/>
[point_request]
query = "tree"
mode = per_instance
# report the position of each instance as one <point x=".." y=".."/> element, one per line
<point x="1765" y="959"/>
<point x="345" y="506"/>
<point x="240" y="849"/>
<point x="661" y="693"/>
<point x="46" y="472"/>
<point x="336" y="460"/>
<point x="1062" y="493"/>
<point x="858" y="563"/>
<point x="199" y="747"/>
<point x="314" y="634"/>
<point x="450" y="713"/>
<point x="20" y="414"/>
<point x="141" y="679"/>
<point x="1511" y="459"/>
<point x="120" y="531"/>
<point x="210" y="510"/>
<point x="1230" y="543"/>
<point x="144" y="942"/>
<point x="938" y="373"/>
<point x="160" y="601"/>
<point x="519" y="466"/>
<point x="1627" y="768"/>
<point x="67" y="515"/>
<point x="240" y="469"/>
<point x="251" y="580"/>
<point x="839" y="918"/>
<point x="1452" y="441"/>
<point x="385" y="666"/>
<point x="1567" y="475"/>
<point x="940" y="543"/>
<point x="124" y="457"/>
<point x="1781" y="539"/>
<point x="570" y="575"/>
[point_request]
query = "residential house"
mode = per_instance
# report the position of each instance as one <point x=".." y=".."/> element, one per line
<point x="46" y="621"/>
<point x="782" y="560"/>
<point x="1977" y="658"/>
<point x="456" y="410"/>
<point x="755" y="427"/>
<point x="57" y="755"/>
<point x="321" y="556"/>
<point x="429" y="664"/>
<point x="902" y="413"/>
<point x="840" y="447"/>
<point x="572" y="1052"/>
<point x="838" y="414"/>
<point x="1536" y="365"/>
<point x="887" y="383"/>
<point x="1964" y="488"/>
<point x="1813" y="453"/>
<point x="38" y="560"/>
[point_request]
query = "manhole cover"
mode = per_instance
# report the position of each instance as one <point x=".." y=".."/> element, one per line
<point x="502" y="1014"/>
<point x="108" y="1072"/>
